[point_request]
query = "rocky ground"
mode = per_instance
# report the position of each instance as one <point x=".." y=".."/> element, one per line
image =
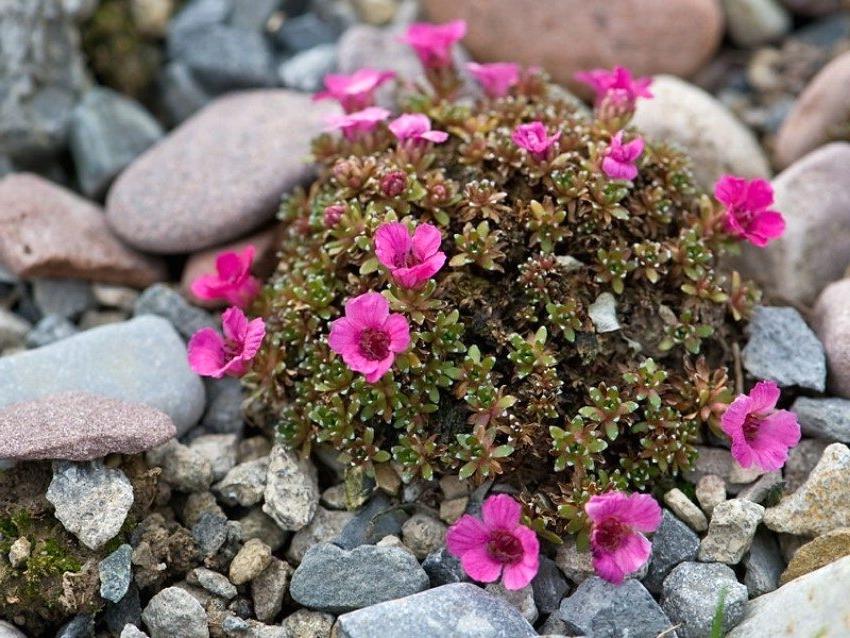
<point x="135" y="500"/>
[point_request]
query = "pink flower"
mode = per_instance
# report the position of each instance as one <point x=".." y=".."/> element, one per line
<point x="747" y="209"/>
<point x="497" y="78"/>
<point x="232" y="281"/>
<point x="410" y="260"/>
<point x="497" y="545"/>
<point x="353" y="125"/>
<point x="433" y="42"/>
<point x="415" y="127"/>
<point x="356" y="91"/>
<point x="210" y="355"/>
<point x="619" y="160"/>
<point x="534" y="139"/>
<point x="760" y="434"/>
<point x="617" y="85"/>
<point x="618" y="522"/>
<point x="368" y="337"/>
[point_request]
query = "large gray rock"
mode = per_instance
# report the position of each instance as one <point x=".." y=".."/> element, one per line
<point x="603" y="610"/>
<point x="337" y="580"/>
<point x="139" y="361"/>
<point x="292" y="489"/>
<point x="108" y="131"/>
<point x="90" y="500"/>
<point x="827" y="419"/>
<point x="41" y="75"/>
<point x="812" y="605"/>
<point x="458" y="610"/>
<point x="692" y="593"/>
<point x="182" y="94"/>
<point x="672" y="543"/>
<point x="219" y="175"/>
<point x="173" y="613"/>
<point x="782" y="348"/>
<point x="549" y="585"/>
<point x="224" y="57"/>
<point x="61" y="296"/>
<point x="8" y="630"/>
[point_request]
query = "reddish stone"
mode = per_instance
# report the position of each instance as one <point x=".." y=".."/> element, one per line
<point x="48" y="231"/>
<point x="820" y="114"/>
<point x="832" y="323"/>
<point x="566" y="36"/>
<point x="78" y="426"/>
<point x="220" y="174"/>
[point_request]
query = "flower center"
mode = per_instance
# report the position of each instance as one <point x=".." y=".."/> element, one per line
<point x="232" y="349"/>
<point x="504" y="547"/>
<point x="609" y="534"/>
<point x="751" y="427"/>
<point x="374" y="344"/>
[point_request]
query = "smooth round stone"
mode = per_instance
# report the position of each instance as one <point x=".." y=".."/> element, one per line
<point x="78" y="426"/>
<point x="819" y="114"/>
<point x="716" y="141"/>
<point x="566" y="36"/>
<point x="812" y="194"/>
<point x="140" y="361"/>
<point x="832" y="324"/>
<point x="49" y="231"/>
<point x="219" y="175"/>
<point x="756" y="22"/>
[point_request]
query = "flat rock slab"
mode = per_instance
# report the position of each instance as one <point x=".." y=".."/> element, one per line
<point x="48" y="231"/>
<point x="139" y="361"/>
<point x="813" y="605"/>
<point x="78" y="426"/>
<point x="219" y="175"/>
<point x="827" y="419"/>
<point x="460" y="609"/>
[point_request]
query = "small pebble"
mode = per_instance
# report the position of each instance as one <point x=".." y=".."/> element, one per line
<point x="685" y="509"/>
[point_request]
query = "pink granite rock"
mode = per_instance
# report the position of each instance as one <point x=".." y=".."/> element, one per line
<point x="48" y="231"/>
<point x="78" y="426"/>
<point x="832" y="324"/>
<point x="565" y="36"/>
<point x="820" y="114"/>
<point x="220" y="174"/>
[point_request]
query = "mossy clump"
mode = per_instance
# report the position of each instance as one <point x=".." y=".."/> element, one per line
<point x="576" y="340"/>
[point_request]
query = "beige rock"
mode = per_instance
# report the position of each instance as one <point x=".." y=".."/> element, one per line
<point x="576" y="565"/>
<point x="832" y="325"/>
<point x="269" y="589"/>
<point x="815" y="554"/>
<point x="686" y="509"/>
<point x="566" y="36"/>
<point x="48" y="231"/>
<point x="710" y="492"/>
<point x="730" y="534"/>
<point x="250" y="561"/>
<point x="452" y="510"/>
<point x="822" y="503"/>
<point x="423" y="534"/>
<point x="820" y="114"/>
<point x="716" y="141"/>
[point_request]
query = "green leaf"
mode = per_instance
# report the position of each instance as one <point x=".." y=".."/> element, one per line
<point x="467" y="470"/>
<point x="502" y="451"/>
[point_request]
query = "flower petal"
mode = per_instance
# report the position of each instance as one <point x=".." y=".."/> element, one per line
<point x="602" y="506"/>
<point x="392" y="244"/>
<point x="768" y="225"/>
<point x="234" y="324"/>
<point x="398" y="329"/>
<point x="206" y="353"/>
<point x="466" y="534"/>
<point x="426" y="241"/>
<point x="379" y="369"/>
<point x="369" y="310"/>
<point x="763" y="397"/>
<point x="501" y="512"/>
<point x="641" y="512"/>
<point x="518" y="575"/>
<point x="480" y="566"/>
<point x="632" y="553"/>
<point x="254" y="336"/>
<point x="344" y="336"/>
